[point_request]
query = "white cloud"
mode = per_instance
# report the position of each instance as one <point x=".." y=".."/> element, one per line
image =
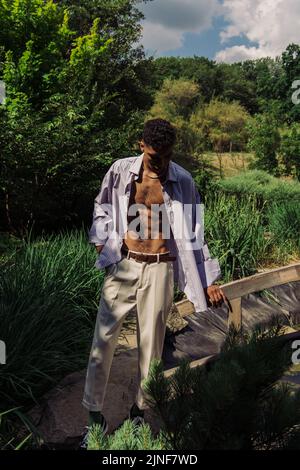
<point x="271" y="24"/>
<point x="268" y="25"/>
<point x="239" y="54"/>
<point x="166" y="21"/>
<point x="159" y="38"/>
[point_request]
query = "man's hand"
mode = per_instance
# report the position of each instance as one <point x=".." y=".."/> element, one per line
<point x="215" y="295"/>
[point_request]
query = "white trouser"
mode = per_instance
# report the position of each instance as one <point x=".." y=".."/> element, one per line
<point x="129" y="284"/>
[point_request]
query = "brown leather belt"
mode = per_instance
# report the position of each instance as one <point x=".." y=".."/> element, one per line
<point x="149" y="258"/>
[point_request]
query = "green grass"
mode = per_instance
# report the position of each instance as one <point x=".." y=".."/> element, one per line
<point x="49" y="296"/>
<point x="235" y="235"/>
<point x="11" y="437"/>
<point x="253" y="222"/>
<point x="261" y="184"/>
<point x="284" y="224"/>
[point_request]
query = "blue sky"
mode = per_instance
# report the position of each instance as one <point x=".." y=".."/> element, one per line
<point x="206" y="43"/>
<point x="223" y="30"/>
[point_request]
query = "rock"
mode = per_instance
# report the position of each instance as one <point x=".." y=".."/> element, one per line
<point x="61" y="418"/>
<point x="175" y="322"/>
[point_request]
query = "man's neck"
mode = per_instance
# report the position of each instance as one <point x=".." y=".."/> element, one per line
<point x="146" y="171"/>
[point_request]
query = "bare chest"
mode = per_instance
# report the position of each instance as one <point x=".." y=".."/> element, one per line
<point x="147" y="193"/>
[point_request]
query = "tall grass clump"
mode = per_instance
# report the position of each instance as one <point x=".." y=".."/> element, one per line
<point x="235" y="234"/>
<point x="49" y="292"/>
<point x="284" y="225"/>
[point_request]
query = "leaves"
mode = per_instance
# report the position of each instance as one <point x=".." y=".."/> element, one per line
<point x="74" y="98"/>
<point x="236" y="402"/>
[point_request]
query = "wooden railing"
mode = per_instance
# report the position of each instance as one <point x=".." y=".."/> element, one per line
<point x="234" y="292"/>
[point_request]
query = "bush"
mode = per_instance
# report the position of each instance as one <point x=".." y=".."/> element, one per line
<point x="264" y="141"/>
<point x="235" y="402"/>
<point x="264" y="187"/>
<point x="127" y="437"/>
<point x="290" y="150"/>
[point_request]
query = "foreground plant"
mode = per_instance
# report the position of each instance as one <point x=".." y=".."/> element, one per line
<point x="127" y="437"/>
<point x="236" y="402"/>
<point x="48" y="292"/>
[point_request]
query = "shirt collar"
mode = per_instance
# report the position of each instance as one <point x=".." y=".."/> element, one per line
<point x="136" y="166"/>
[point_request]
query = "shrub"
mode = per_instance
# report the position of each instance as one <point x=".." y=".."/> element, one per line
<point x="264" y="187"/>
<point x="290" y="150"/>
<point x="127" y="437"/>
<point x="264" y="141"/>
<point x="236" y="402"/>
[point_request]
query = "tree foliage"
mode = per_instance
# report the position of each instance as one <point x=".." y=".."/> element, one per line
<point x="264" y="141"/>
<point x="290" y="150"/>
<point x="79" y="88"/>
<point x="75" y="97"/>
<point x="222" y="125"/>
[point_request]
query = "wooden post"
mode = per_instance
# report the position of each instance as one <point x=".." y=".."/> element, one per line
<point x="235" y="316"/>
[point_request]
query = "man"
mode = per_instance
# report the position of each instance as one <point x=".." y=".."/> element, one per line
<point x="135" y="226"/>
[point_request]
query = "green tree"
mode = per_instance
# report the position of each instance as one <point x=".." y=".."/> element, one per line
<point x="264" y="141"/>
<point x="291" y="66"/>
<point x="200" y="70"/>
<point x="222" y="124"/>
<point x="235" y="86"/>
<point x="76" y="94"/>
<point x="290" y="150"/>
<point x="175" y="101"/>
<point x="273" y="79"/>
<point x="269" y="78"/>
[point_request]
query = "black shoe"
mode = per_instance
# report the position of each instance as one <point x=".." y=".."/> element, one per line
<point x="136" y="415"/>
<point x="85" y="436"/>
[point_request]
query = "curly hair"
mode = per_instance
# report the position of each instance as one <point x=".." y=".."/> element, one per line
<point x="159" y="133"/>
